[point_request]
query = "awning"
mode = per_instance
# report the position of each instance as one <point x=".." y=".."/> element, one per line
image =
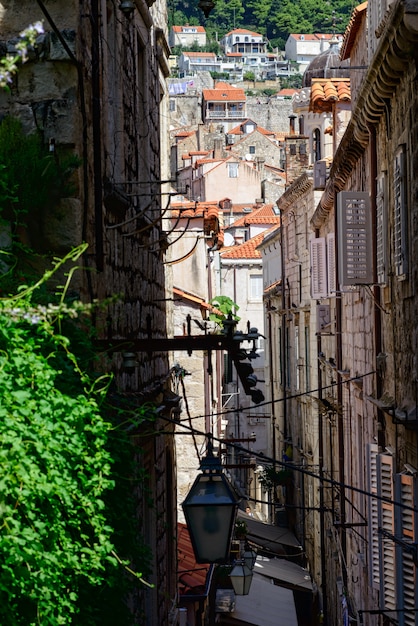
<point x="284" y="572"/>
<point x="268" y="536"/>
<point x="265" y="605"/>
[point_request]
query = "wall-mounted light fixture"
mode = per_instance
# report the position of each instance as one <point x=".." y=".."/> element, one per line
<point x="129" y="362"/>
<point x="127" y="7"/>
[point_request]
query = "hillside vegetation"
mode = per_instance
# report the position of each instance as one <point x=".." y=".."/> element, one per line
<point x="275" y="19"/>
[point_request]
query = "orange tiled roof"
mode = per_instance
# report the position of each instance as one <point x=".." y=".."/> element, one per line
<point x="287" y="93"/>
<point x="236" y="207"/>
<point x="185" y="133"/>
<point x="224" y="92"/>
<point x="194" y="209"/>
<point x="210" y="160"/>
<point x="352" y="29"/>
<point x="327" y="91"/>
<point x="246" y="250"/>
<point x="314" y="36"/>
<point x="262" y="215"/>
<point x="237" y="130"/>
<point x="179" y="29"/>
<point x="234" y="54"/>
<point x="203" y="305"/>
<point x="243" y="31"/>
<point x="192" y="577"/>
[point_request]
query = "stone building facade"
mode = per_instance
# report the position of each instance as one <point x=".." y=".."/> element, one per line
<point x="373" y="353"/>
<point x="359" y="507"/>
<point x="96" y="86"/>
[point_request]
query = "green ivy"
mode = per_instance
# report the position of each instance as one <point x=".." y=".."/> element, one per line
<point x="68" y="475"/>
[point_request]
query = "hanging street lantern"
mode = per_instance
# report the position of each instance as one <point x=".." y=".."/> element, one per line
<point x="241" y="578"/>
<point x="210" y="509"/>
<point x="249" y="557"/>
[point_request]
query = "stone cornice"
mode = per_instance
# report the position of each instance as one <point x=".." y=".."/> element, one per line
<point x="398" y="40"/>
<point x="297" y="189"/>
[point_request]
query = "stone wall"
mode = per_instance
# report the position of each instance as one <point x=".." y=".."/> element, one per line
<point x="269" y="112"/>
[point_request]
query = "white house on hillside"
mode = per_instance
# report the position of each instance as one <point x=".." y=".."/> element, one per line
<point x="243" y="41"/>
<point x="187" y="36"/>
<point x="303" y="48"/>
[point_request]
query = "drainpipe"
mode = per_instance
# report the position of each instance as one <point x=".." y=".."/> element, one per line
<point x="272" y="397"/>
<point x="340" y="418"/>
<point x="376" y="289"/>
<point x="322" y="538"/>
<point x="96" y="125"/>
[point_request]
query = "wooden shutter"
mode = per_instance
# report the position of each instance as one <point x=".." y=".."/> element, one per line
<point x="332" y="285"/>
<point x="373" y="544"/>
<point x="319" y="287"/>
<point x="354" y="238"/>
<point x="400" y="214"/>
<point x="405" y="529"/>
<point x="381" y="232"/>
<point x="386" y="520"/>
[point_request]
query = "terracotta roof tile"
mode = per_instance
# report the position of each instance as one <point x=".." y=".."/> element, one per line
<point x="237" y="130"/>
<point x="202" y="161"/>
<point x="179" y="29"/>
<point x="184" y="133"/>
<point x="359" y="12"/>
<point x="192" y="577"/>
<point x="246" y="250"/>
<point x="194" y="209"/>
<point x="262" y="215"/>
<point x="326" y="91"/>
<point x="313" y="37"/>
<point x="203" y="305"/>
<point x="243" y="31"/>
<point x="224" y="92"/>
<point x="287" y="93"/>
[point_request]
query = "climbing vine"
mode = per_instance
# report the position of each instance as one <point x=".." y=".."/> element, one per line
<point x="58" y="458"/>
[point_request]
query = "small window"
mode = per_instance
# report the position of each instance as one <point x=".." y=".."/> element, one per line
<point x="316" y="144"/>
<point x="252" y="149"/>
<point x="256" y="288"/>
<point x="172" y="104"/>
<point x="232" y="170"/>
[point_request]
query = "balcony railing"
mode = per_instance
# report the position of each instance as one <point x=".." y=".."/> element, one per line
<point x="224" y="115"/>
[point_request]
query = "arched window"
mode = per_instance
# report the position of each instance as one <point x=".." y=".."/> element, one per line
<point x="316" y="144"/>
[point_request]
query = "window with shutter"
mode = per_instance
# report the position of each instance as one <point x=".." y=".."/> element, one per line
<point x="400" y="214"/>
<point x="373" y="545"/>
<point x="405" y="529"/>
<point x="354" y="238"/>
<point x="332" y="287"/>
<point x="381" y="225"/>
<point x="386" y="521"/>
<point x="319" y="288"/>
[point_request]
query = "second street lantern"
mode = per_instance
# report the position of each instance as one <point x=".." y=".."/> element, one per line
<point x="210" y="510"/>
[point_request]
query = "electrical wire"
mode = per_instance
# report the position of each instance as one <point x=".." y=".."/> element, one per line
<point x="290" y="466"/>
<point x="288" y="397"/>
